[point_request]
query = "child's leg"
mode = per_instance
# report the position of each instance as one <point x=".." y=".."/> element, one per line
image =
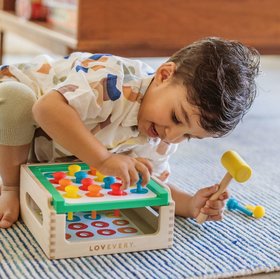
<point x="11" y="157"/>
<point x="16" y="132"/>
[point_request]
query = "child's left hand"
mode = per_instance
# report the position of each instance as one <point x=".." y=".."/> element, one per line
<point x="201" y="203"/>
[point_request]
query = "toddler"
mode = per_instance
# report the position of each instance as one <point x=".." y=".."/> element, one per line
<point x="117" y="115"/>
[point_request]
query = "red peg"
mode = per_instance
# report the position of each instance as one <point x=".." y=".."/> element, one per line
<point x="86" y="182"/>
<point x="116" y="190"/>
<point x="57" y="176"/>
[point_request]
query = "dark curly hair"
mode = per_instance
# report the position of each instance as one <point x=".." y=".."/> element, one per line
<point x="220" y="77"/>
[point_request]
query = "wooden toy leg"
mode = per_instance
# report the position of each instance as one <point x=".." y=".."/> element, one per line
<point x="37" y="213"/>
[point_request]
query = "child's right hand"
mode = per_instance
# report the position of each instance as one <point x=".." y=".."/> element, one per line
<point x="201" y="203"/>
<point x="127" y="169"/>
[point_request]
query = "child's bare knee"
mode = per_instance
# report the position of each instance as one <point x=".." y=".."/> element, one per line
<point x="16" y="121"/>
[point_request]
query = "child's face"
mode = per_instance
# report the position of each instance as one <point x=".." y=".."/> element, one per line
<point x="165" y="112"/>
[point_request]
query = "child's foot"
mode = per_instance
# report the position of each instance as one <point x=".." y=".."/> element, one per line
<point x="9" y="206"/>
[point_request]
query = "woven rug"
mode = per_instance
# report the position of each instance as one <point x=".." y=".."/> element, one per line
<point x="238" y="245"/>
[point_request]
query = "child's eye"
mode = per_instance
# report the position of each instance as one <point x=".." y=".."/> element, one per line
<point x="175" y="119"/>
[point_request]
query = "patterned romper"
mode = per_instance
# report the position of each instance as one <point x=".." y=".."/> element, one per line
<point x="106" y="91"/>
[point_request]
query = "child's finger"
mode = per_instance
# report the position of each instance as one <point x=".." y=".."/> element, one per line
<point x="147" y="163"/>
<point x="145" y="174"/>
<point x="211" y="211"/>
<point x="134" y="176"/>
<point x="215" y="204"/>
<point x="218" y="217"/>
<point x="209" y="191"/>
<point x="224" y="196"/>
<point x="125" y="180"/>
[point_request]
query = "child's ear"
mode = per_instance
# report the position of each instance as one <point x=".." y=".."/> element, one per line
<point x="165" y="72"/>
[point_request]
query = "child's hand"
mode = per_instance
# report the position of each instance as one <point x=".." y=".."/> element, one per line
<point x="201" y="203"/>
<point x="127" y="169"/>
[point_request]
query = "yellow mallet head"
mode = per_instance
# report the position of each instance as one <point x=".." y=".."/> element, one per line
<point x="236" y="166"/>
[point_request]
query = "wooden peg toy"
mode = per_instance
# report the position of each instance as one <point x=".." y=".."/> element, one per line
<point x="233" y="204"/>
<point x="94" y="191"/>
<point x="86" y="182"/>
<point x="108" y="181"/>
<point x="257" y="210"/>
<point x="237" y="169"/>
<point x="93" y="214"/>
<point x="117" y="213"/>
<point x="70" y="216"/>
<point x="63" y="183"/>
<point x="72" y="169"/>
<point x="77" y="216"/>
<point x="57" y="176"/>
<point x="92" y="171"/>
<point x="99" y="176"/>
<point x="71" y="192"/>
<point x="139" y="189"/>
<point x="250" y="210"/>
<point x="80" y="175"/>
<point x="116" y="190"/>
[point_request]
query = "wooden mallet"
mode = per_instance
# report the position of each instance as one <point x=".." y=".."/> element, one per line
<point x="236" y="168"/>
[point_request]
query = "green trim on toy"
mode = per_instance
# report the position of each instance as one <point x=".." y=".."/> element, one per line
<point x="59" y="204"/>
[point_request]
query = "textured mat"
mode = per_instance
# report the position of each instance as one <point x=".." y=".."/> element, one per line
<point x="236" y="246"/>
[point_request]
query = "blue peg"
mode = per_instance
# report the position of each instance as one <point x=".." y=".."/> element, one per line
<point x="80" y="175"/>
<point x="139" y="189"/>
<point x="108" y="181"/>
<point x="233" y="204"/>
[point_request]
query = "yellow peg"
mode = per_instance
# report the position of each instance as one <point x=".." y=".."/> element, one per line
<point x="257" y="210"/>
<point x="70" y="216"/>
<point x="99" y="176"/>
<point x="71" y="192"/>
<point x="72" y="169"/>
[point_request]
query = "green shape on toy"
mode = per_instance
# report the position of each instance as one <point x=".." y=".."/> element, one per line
<point x="61" y="206"/>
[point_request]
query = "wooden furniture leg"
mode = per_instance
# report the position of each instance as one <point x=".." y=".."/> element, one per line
<point x="1" y="46"/>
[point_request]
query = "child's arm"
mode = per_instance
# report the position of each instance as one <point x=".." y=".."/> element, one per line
<point x="190" y="206"/>
<point x="63" y="124"/>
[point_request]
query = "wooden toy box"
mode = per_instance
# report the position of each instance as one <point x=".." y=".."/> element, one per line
<point x="145" y="222"/>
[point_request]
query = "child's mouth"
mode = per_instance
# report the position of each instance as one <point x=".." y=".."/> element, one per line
<point x="153" y="132"/>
